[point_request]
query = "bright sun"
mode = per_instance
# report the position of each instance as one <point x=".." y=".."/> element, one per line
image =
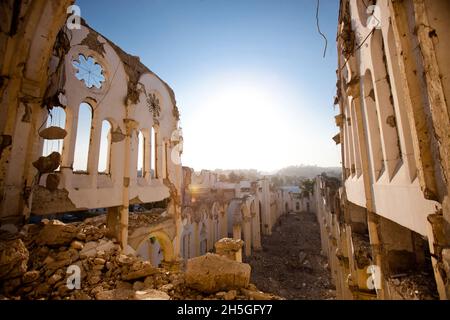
<point x="240" y="126"/>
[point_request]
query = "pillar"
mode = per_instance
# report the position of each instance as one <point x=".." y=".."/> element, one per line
<point x="196" y="239"/>
<point x="229" y="248"/>
<point x="247" y="236"/>
<point x="256" y="234"/>
<point x="237" y="236"/>
<point x="113" y="222"/>
<point x="130" y="126"/>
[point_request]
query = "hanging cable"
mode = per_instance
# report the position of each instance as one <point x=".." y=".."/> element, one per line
<point x="318" y="29"/>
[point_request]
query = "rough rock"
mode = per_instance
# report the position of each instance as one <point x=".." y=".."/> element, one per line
<point x="34" y="261"/>
<point x="52" y="182"/>
<point x="257" y="295"/>
<point x="228" y="247"/>
<point x="116" y="294"/>
<point x="77" y="245"/>
<point x="48" y="164"/>
<point x="212" y="273"/>
<point x="56" y="233"/>
<point x="151" y="294"/>
<point x="145" y="269"/>
<point x="30" y="276"/>
<point x="13" y="259"/>
<point x="230" y="295"/>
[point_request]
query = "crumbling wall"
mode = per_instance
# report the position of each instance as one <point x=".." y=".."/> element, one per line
<point x="405" y="201"/>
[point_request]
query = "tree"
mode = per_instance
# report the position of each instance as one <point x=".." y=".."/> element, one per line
<point x="233" y="177"/>
<point x="307" y="187"/>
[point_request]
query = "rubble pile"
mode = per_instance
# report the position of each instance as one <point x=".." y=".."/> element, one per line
<point x="415" y="286"/>
<point x="34" y="265"/>
<point x="146" y="218"/>
<point x="290" y="264"/>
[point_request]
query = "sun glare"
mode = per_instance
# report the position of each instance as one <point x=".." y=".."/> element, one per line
<point x="239" y="125"/>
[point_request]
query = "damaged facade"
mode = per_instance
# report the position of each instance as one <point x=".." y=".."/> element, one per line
<point x="128" y="128"/>
<point x="213" y="210"/>
<point x="386" y="228"/>
<point x="86" y="127"/>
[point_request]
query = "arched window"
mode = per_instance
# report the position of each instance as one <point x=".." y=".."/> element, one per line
<point x="80" y="160"/>
<point x="153" y="154"/>
<point x="398" y="94"/>
<point x="141" y="154"/>
<point x="203" y="239"/>
<point x="386" y="114"/>
<point x="56" y="118"/>
<point x="105" y="148"/>
<point x="373" y="127"/>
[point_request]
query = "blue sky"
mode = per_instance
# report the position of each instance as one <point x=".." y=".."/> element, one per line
<point x="250" y="81"/>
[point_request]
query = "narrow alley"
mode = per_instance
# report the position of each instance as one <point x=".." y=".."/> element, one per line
<point x="290" y="264"/>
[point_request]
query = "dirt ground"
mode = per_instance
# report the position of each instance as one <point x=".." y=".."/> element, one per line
<point x="290" y="264"/>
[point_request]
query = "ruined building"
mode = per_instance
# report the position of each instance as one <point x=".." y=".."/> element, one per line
<point x="86" y="127"/>
<point x="214" y="209"/>
<point x="99" y="131"/>
<point x="386" y="228"/>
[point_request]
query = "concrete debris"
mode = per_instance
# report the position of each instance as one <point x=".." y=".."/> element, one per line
<point x="52" y="182"/>
<point x="35" y="266"/>
<point x="56" y="233"/>
<point x="290" y="264"/>
<point x="53" y="133"/>
<point x="212" y="273"/>
<point x="49" y="163"/>
<point x="13" y="259"/>
<point x="228" y="247"/>
<point x="412" y="287"/>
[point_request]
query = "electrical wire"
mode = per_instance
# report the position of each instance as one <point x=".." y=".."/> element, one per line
<point x="318" y="29"/>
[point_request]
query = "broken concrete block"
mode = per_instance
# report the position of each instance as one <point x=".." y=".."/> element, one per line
<point x="53" y="133"/>
<point x="52" y="182"/>
<point x="13" y="259"/>
<point x="48" y="164"/>
<point x="89" y="249"/>
<point x="151" y="294"/>
<point x="145" y="270"/>
<point x="77" y="245"/>
<point x="56" y="233"/>
<point x="212" y="273"/>
<point x="115" y="294"/>
<point x="30" y="276"/>
<point x="229" y="248"/>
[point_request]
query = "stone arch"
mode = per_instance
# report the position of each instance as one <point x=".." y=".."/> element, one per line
<point x="187" y="213"/>
<point x="361" y="9"/>
<point x="255" y="225"/>
<point x="384" y="104"/>
<point x="398" y="95"/>
<point x="165" y="243"/>
<point x="83" y="137"/>
<point x="246" y="227"/>
<point x="372" y="126"/>
<point x="215" y="223"/>
<point x="187" y="248"/>
<point x="203" y="238"/>
<point x="104" y="151"/>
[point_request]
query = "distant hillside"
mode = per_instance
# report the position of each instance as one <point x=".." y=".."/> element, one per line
<point x="289" y="175"/>
<point x="309" y="172"/>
